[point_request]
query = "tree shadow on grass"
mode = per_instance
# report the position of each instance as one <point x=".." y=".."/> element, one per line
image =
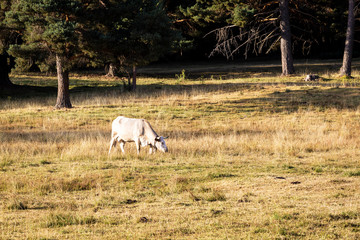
<point x="293" y="100"/>
<point x="239" y="69"/>
<point x="339" y="98"/>
<point x="26" y="91"/>
<point x="284" y="100"/>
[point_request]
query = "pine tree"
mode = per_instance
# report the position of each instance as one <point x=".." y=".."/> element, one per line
<point x="7" y="35"/>
<point x="50" y="26"/>
<point x="133" y="33"/>
<point x="129" y="32"/>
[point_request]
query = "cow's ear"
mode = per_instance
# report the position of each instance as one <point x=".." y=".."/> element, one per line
<point x="166" y="137"/>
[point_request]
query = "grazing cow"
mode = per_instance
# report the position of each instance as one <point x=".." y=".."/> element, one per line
<point x="138" y="131"/>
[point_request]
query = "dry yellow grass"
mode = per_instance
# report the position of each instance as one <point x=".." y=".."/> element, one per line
<point x="253" y="161"/>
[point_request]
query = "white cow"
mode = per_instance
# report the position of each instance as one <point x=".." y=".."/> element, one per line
<point x="136" y="130"/>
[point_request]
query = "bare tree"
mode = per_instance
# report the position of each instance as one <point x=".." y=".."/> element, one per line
<point x="230" y="39"/>
<point x="345" y="70"/>
<point x="264" y="31"/>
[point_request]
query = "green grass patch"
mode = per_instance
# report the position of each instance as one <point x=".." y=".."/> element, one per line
<point x="66" y="219"/>
<point x="17" y="205"/>
<point x="353" y="173"/>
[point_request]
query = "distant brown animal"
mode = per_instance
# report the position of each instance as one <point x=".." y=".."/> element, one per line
<point x="311" y="77"/>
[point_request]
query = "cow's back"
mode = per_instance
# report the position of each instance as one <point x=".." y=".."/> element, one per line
<point x="128" y="128"/>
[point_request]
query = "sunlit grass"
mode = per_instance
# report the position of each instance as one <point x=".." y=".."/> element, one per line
<point x="255" y="159"/>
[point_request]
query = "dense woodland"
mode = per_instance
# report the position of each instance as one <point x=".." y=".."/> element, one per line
<point x="50" y="35"/>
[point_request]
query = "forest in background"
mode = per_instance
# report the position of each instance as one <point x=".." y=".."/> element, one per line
<point x="120" y="36"/>
<point x="254" y="153"/>
<point x="318" y="27"/>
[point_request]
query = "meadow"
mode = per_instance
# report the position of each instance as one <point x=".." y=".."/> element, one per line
<point x="252" y="155"/>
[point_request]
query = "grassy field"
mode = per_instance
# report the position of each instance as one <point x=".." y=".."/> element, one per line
<point x="250" y="157"/>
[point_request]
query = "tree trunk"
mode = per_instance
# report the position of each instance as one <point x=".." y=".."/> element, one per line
<point x="4" y="73"/>
<point x="63" y="97"/>
<point x="345" y="70"/>
<point x="285" y="42"/>
<point x="133" y="88"/>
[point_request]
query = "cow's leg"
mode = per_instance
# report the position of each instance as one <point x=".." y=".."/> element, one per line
<point x="152" y="150"/>
<point x="122" y="144"/>
<point x="112" y="143"/>
<point x="137" y="142"/>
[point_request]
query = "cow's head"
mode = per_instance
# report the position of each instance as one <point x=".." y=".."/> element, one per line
<point x="160" y="144"/>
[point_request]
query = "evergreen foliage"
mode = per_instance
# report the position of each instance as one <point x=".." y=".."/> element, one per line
<point x="48" y="26"/>
<point x="127" y="32"/>
<point x="7" y="36"/>
<point x="134" y="32"/>
<point x="235" y="12"/>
